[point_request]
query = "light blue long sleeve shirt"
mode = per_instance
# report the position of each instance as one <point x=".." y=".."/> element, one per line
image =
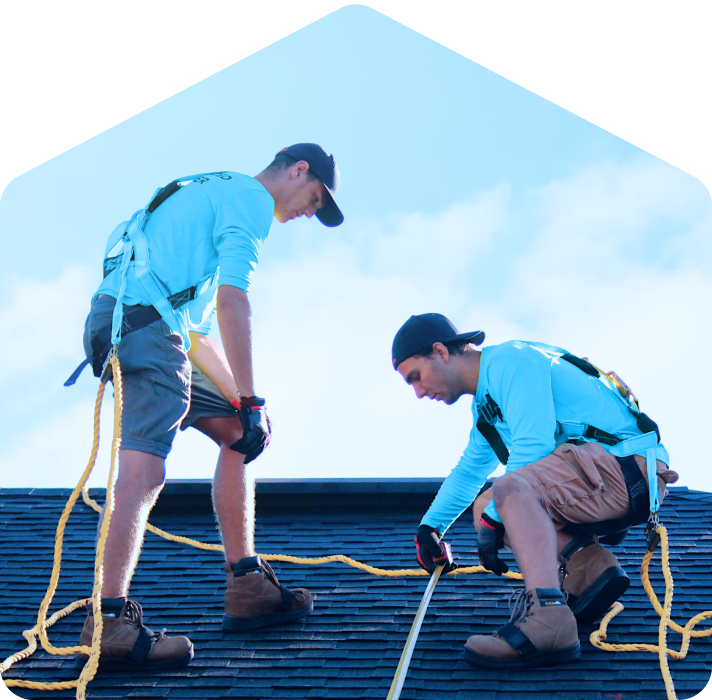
<point x="211" y="226"/>
<point x="534" y="389"/>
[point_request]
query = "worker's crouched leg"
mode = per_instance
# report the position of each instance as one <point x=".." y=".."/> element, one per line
<point x="583" y="484"/>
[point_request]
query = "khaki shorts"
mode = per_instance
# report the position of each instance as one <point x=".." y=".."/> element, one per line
<point x="582" y="484"/>
<point x="162" y="389"/>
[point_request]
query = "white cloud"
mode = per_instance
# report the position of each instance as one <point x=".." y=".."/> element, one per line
<point x="55" y="452"/>
<point x="42" y="322"/>
<point x="613" y="265"/>
<point x="600" y="282"/>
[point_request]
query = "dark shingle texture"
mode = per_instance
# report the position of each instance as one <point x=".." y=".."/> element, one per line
<point x="350" y="646"/>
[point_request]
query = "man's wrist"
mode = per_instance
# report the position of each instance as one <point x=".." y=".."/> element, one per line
<point x="252" y="401"/>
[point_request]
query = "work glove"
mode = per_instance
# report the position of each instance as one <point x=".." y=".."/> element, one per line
<point x="256" y="427"/>
<point x="489" y="541"/>
<point x="432" y="552"/>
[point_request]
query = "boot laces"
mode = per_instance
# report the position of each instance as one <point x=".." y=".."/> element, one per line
<point x="134" y="613"/>
<point x="269" y="573"/>
<point x="520" y="603"/>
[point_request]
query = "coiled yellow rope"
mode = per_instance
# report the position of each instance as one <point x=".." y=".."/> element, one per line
<point x="597" y="638"/>
<point x="40" y="629"/>
<point x="661" y="649"/>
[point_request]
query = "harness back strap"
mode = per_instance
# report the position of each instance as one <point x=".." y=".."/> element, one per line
<point x="136" y="252"/>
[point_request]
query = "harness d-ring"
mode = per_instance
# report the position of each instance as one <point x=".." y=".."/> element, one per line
<point x="402" y="670"/>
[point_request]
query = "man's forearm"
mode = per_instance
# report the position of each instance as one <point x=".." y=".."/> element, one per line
<point x="233" y="309"/>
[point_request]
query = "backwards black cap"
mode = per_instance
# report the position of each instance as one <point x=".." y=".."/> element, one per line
<point x="418" y="334"/>
<point x="323" y="165"/>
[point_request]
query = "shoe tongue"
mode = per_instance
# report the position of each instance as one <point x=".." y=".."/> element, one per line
<point x="113" y="605"/>
<point x="576" y="545"/>
<point x="550" y="596"/>
<point x="247" y="564"/>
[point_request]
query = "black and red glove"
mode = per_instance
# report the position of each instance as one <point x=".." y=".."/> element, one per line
<point x="256" y="427"/>
<point x="432" y="552"/>
<point x="490" y="540"/>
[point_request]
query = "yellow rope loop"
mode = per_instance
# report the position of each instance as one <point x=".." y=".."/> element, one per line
<point x="598" y="637"/>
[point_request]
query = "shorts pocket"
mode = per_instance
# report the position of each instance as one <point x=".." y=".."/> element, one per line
<point x="570" y="477"/>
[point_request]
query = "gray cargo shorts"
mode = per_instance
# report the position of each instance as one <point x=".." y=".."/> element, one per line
<point x="163" y="389"/>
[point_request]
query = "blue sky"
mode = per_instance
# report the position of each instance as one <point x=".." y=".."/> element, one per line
<point x="464" y="194"/>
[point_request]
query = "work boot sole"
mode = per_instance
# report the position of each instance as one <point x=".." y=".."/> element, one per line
<point x="250" y="623"/>
<point x="121" y="663"/>
<point x="595" y="601"/>
<point x="548" y="657"/>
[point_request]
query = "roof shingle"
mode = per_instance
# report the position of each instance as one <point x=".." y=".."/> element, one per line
<point x="350" y="646"/>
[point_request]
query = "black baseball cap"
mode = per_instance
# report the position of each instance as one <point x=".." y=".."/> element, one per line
<point x="418" y="334"/>
<point x="323" y="165"/>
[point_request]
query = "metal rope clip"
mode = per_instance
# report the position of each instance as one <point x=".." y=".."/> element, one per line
<point x="107" y="363"/>
<point x="651" y="532"/>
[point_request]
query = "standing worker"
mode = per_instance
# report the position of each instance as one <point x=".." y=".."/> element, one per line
<point x="577" y="451"/>
<point x="192" y="250"/>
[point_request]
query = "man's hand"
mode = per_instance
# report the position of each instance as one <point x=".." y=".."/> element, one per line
<point x="490" y="540"/>
<point x="256" y="428"/>
<point x="431" y="552"/>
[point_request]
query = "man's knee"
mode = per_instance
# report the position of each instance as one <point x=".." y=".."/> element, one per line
<point x="509" y="485"/>
<point x="141" y="472"/>
<point x="223" y="431"/>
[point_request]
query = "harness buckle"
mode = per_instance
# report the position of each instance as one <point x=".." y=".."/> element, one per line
<point x="490" y="411"/>
<point x="651" y="532"/>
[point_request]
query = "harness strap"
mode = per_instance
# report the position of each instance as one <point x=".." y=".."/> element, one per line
<point x="142" y="647"/>
<point x="516" y="639"/>
<point x="285" y="605"/>
<point x="489" y="413"/>
<point x="134" y="317"/>
<point x="489" y="432"/>
<point x="487" y="416"/>
<point x="136" y="251"/>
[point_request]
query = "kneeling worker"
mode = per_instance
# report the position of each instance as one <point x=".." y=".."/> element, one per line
<point x="577" y="451"/>
<point x="189" y="252"/>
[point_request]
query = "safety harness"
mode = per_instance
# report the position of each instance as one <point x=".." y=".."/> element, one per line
<point x="127" y="249"/>
<point x="644" y="500"/>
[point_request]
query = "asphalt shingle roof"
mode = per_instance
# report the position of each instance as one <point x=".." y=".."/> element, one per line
<point x="350" y="646"/>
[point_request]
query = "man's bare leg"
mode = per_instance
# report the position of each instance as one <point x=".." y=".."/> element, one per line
<point x="140" y="480"/>
<point x="530" y="531"/>
<point x="562" y="538"/>
<point x="233" y="489"/>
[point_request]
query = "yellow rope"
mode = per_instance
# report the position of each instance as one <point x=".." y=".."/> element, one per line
<point x="597" y="638"/>
<point x="40" y="629"/>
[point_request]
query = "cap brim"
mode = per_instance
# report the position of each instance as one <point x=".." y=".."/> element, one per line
<point x="330" y="214"/>
<point x="476" y="338"/>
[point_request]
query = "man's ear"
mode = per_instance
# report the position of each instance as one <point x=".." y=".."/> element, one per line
<point x="300" y="168"/>
<point x="441" y="351"/>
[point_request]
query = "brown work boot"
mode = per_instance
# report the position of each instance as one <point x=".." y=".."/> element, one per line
<point x="127" y="643"/>
<point x="593" y="579"/>
<point x="541" y="632"/>
<point x="255" y="598"/>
